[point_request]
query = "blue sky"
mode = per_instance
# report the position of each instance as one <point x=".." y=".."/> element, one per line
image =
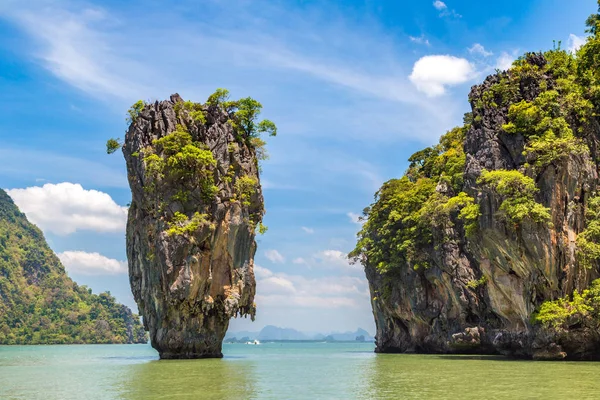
<point x="355" y="87"/>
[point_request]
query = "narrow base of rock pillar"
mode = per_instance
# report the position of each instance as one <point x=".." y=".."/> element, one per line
<point x="188" y="356"/>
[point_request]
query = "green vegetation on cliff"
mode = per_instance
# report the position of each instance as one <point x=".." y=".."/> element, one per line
<point x="178" y="161"/>
<point x="500" y="222"/>
<point x="582" y="309"/>
<point x="40" y="304"/>
<point x="517" y="191"/>
<point x="408" y="210"/>
<point x="546" y="103"/>
<point x="432" y="194"/>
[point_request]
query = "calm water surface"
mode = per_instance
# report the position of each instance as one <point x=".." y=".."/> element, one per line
<point x="283" y="371"/>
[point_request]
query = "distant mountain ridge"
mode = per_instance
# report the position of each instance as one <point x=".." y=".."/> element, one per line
<point x="271" y="332"/>
<point x="40" y="304"/>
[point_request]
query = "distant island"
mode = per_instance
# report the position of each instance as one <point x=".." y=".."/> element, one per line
<point x="275" y="333"/>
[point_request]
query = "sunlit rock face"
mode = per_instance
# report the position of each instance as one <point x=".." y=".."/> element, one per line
<point x="196" y="201"/>
<point x="479" y="293"/>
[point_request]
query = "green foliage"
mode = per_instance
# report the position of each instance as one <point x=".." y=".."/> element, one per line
<point x="40" y="304"/>
<point x="220" y="96"/>
<point x="195" y="110"/>
<point x="394" y="230"/>
<point x="518" y="193"/>
<point x="243" y="117"/>
<point x="551" y="122"/>
<point x="445" y="160"/>
<point x="176" y="161"/>
<point x="588" y="241"/>
<point x="469" y="211"/>
<point x="266" y="126"/>
<point x="401" y="222"/>
<point x="583" y="310"/>
<point x="499" y="94"/>
<point x="262" y="229"/>
<point x="113" y="145"/>
<point x="552" y="100"/>
<point x="550" y="148"/>
<point x="245" y="187"/>
<point x="134" y="111"/>
<point x="181" y="225"/>
<point x="260" y="147"/>
<point x="474" y="284"/>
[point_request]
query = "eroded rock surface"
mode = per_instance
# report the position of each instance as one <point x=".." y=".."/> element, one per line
<point x="479" y="293"/>
<point x="191" y="224"/>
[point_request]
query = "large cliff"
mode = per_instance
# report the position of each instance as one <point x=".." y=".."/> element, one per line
<point x="196" y="205"/>
<point x="40" y="304"/>
<point x="491" y="241"/>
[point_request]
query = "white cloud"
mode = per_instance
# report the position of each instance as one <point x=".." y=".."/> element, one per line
<point x="432" y="74"/>
<point x="480" y="50"/>
<point x="80" y="262"/>
<point x="334" y="258"/>
<point x="420" y="40"/>
<point x="575" y="42"/>
<point x="283" y="290"/>
<point x="261" y="272"/>
<point x="276" y="284"/>
<point x="440" y="5"/>
<point x="355" y="218"/>
<point x="327" y="259"/>
<point x="65" y="208"/>
<point x="308" y="230"/>
<point x="274" y="256"/>
<point x="386" y="87"/>
<point x="504" y="61"/>
<point x="444" y="10"/>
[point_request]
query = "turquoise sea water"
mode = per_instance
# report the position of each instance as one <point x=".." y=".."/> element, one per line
<point x="283" y="371"/>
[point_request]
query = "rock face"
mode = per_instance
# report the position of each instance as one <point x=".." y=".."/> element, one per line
<point x="196" y="201"/>
<point x="480" y="292"/>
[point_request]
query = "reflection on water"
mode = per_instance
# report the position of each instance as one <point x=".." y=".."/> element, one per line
<point x="479" y="377"/>
<point x="182" y="379"/>
<point x="283" y="371"/>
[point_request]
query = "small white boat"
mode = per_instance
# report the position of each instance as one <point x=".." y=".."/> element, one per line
<point x="254" y="342"/>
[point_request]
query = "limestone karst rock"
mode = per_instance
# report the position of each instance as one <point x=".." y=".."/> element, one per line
<point x="196" y="204"/>
<point x="489" y="243"/>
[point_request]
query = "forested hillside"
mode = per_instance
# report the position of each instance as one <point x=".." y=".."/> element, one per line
<point x="41" y="304"/>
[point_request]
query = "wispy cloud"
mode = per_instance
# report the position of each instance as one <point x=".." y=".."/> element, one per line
<point x="77" y="47"/>
<point x="444" y="10"/>
<point x="420" y="40"/>
<point x="308" y="230"/>
<point x="478" y="49"/>
<point x="274" y="256"/>
<point x="505" y="61"/>
<point x="96" y="51"/>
